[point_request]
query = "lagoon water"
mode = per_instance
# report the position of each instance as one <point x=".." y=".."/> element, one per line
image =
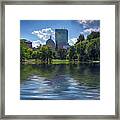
<point x="60" y="82"/>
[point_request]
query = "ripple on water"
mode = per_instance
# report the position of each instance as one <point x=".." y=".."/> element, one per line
<point x="58" y="87"/>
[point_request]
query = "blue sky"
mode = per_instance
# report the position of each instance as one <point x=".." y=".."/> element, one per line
<point x="39" y="31"/>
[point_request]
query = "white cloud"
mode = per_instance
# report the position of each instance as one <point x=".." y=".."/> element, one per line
<point x="44" y="34"/>
<point x="36" y="43"/>
<point x="72" y="41"/>
<point x="89" y="30"/>
<point x="86" y="23"/>
<point x="81" y="32"/>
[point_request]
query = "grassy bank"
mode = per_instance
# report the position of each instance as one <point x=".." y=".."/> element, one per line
<point x="57" y="61"/>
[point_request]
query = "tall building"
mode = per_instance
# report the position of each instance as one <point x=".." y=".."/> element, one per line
<point x="61" y="38"/>
<point x="50" y="43"/>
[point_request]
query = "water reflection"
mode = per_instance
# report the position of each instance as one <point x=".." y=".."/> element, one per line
<point x="60" y="82"/>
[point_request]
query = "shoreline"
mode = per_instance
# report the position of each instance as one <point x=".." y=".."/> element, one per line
<point x="57" y="62"/>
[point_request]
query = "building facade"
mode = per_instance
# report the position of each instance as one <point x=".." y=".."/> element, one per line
<point x="50" y="43"/>
<point x="61" y="38"/>
<point x="29" y="44"/>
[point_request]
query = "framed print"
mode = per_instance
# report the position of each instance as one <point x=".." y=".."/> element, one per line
<point x="60" y="59"/>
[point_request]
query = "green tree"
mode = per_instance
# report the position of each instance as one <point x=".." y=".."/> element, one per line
<point x="54" y="54"/>
<point x="35" y="55"/>
<point x="72" y="53"/>
<point x="81" y="51"/>
<point x="62" y="53"/>
<point x="93" y="35"/>
<point x="81" y="38"/>
<point x="25" y="51"/>
<point x="93" y="49"/>
<point x="46" y="54"/>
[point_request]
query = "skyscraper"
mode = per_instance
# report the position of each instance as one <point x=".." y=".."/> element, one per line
<point x="61" y="38"/>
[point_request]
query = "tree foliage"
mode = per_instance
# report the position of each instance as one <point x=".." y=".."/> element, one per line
<point x="43" y="53"/>
<point x="93" y="35"/>
<point x="25" y="51"/>
<point x="46" y="54"/>
<point x="72" y="53"/>
<point x="83" y="50"/>
<point x="62" y="53"/>
<point x="81" y="38"/>
<point x="89" y="50"/>
<point x="93" y="49"/>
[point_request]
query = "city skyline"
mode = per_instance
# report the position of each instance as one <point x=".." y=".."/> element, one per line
<point x="39" y="31"/>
